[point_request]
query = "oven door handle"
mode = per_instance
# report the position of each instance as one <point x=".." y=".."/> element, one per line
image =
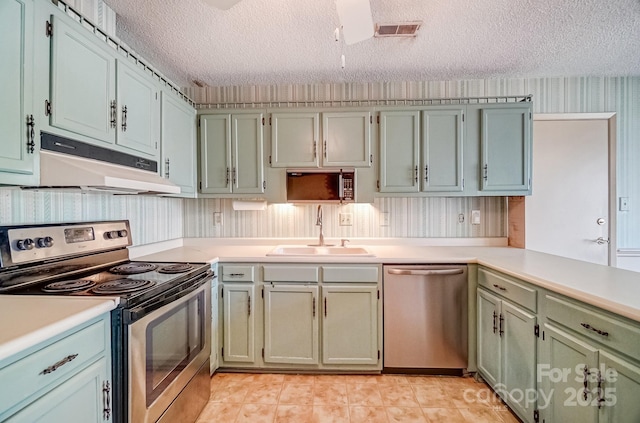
<point x="144" y="309"/>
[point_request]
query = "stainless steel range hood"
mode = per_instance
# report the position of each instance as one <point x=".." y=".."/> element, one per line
<point x="61" y="170"/>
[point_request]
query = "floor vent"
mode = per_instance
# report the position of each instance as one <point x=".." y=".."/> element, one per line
<point x="398" y="29"/>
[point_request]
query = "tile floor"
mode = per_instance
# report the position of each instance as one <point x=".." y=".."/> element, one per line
<point x="256" y="398"/>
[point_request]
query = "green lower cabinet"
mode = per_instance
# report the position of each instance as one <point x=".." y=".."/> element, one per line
<point x="564" y="375"/>
<point x="239" y="323"/>
<point x="619" y="390"/>
<point x="350" y="325"/>
<point x="291" y="324"/>
<point x="507" y="352"/>
<point x="78" y="400"/>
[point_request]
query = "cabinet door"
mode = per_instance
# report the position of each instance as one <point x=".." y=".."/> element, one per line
<point x="350" y="325"/>
<point x="620" y="390"/>
<point x="81" y="399"/>
<point x="489" y="351"/>
<point x="16" y="79"/>
<point x="562" y="375"/>
<point x="399" y="151"/>
<point x="294" y="139"/>
<point x="247" y="171"/>
<point x="179" y="144"/>
<point x="239" y="323"/>
<point x="442" y="150"/>
<point x="346" y="139"/>
<point x="506" y="150"/>
<point x="291" y="324"/>
<point x="138" y="109"/>
<point x="215" y="140"/>
<point x="518" y="360"/>
<point x="83" y="89"/>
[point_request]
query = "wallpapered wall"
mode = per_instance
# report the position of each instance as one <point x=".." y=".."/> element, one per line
<point x="152" y="219"/>
<point x="408" y="217"/>
<point x="550" y="95"/>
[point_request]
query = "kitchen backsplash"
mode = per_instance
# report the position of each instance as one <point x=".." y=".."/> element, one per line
<point x="408" y="217"/>
<point x="152" y="219"/>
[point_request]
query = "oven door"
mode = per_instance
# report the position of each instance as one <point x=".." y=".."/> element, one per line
<point x="169" y="341"/>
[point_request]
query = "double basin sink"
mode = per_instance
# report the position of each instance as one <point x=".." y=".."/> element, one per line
<point x="319" y="250"/>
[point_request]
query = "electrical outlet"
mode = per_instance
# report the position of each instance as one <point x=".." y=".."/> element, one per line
<point x="461" y="218"/>
<point x="384" y="219"/>
<point x="217" y="219"/>
<point x="624" y="204"/>
<point x="475" y="217"/>
<point x="346" y="219"/>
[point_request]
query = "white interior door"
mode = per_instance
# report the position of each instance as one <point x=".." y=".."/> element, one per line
<point x="568" y="211"/>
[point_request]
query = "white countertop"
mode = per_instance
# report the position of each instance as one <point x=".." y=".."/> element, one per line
<point x="609" y="288"/>
<point x="30" y="320"/>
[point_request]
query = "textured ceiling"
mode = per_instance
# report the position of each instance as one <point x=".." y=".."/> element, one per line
<point x="292" y="41"/>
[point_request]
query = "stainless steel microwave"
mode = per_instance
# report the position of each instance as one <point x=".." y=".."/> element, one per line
<point x="321" y="185"/>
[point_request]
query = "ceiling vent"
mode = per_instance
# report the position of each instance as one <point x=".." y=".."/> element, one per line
<point x="397" y="29"/>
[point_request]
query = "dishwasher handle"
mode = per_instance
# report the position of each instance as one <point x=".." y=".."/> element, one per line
<point x="426" y="272"/>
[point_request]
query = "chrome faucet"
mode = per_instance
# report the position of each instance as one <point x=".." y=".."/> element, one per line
<point x="319" y="223"/>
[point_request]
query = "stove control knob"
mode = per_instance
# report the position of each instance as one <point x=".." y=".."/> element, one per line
<point x="111" y="234"/>
<point x="25" y="244"/>
<point x="122" y="233"/>
<point x="45" y="242"/>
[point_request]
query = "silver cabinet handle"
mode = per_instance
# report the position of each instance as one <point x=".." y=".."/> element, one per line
<point x="113" y="113"/>
<point x="227" y="176"/>
<point x="425" y="272"/>
<point x="124" y="119"/>
<point x="501" y="331"/>
<point x="495" y="317"/>
<point x="31" y="143"/>
<point x="416" y="175"/>
<point x="59" y="364"/>
<point x="486" y="172"/>
<point x="325" y="149"/>
<point x="426" y="173"/>
<point x="106" y="400"/>
<point x="167" y="167"/>
<point x="315" y="149"/>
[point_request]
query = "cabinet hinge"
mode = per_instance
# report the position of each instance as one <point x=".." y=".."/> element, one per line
<point x="263" y="353"/>
<point x="222" y="351"/>
<point x="536" y="331"/>
<point x="200" y="185"/>
<point x="262" y="121"/>
<point x="48" y="29"/>
<point x="462" y="183"/>
<point x="463" y="117"/>
<point x="378" y="354"/>
<point x="370" y="119"/>
<point x="378" y="294"/>
<point x="199" y="120"/>
<point x="222" y="292"/>
<point x="530" y="116"/>
<point x="157" y="146"/>
<point x="371" y="158"/>
<point x="264" y="184"/>
<point x="47" y="108"/>
<point x="269" y="120"/>
<point x="378" y="119"/>
<point x="378" y="183"/>
<point x="536" y="416"/>
<point x="263" y="292"/>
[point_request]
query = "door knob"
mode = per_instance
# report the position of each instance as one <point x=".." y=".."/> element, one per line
<point x="601" y="241"/>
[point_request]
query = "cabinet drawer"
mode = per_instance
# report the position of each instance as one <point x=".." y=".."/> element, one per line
<point x="350" y="274"/>
<point x="594" y="324"/>
<point x="235" y="273"/>
<point x="51" y="364"/>
<point x="508" y="288"/>
<point x="291" y="273"/>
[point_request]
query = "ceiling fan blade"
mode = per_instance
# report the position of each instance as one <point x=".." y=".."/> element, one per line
<point x="355" y="18"/>
<point x="222" y="4"/>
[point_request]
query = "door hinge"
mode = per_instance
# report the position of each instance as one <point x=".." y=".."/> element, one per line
<point x="47" y="108"/>
<point x="536" y="416"/>
<point x="536" y="331"/>
<point x="49" y="29"/>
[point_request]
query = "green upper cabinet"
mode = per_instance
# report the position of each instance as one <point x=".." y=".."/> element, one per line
<point x="442" y="150"/>
<point x="294" y="139"/>
<point x="506" y="149"/>
<point x="399" y="151"/>
<point x="179" y="143"/>
<point x="215" y="154"/>
<point x="138" y="109"/>
<point x="346" y="139"/>
<point x="83" y="84"/>
<point x="16" y="78"/>
<point x="232" y="153"/>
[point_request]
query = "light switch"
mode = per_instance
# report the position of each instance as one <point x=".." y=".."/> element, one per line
<point x="217" y="219"/>
<point x="475" y="217"/>
<point x="346" y="219"/>
<point x="624" y="204"/>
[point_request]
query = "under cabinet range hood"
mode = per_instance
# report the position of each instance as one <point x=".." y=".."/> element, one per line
<point x="66" y="163"/>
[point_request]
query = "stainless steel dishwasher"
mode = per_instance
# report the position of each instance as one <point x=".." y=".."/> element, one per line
<point x="425" y="318"/>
